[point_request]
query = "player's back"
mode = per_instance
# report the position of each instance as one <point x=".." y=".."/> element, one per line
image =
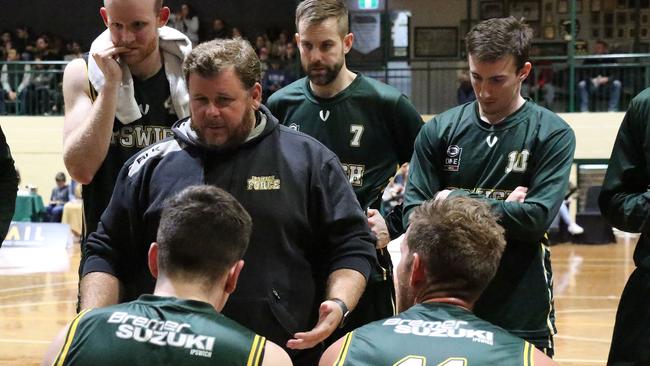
<point x="434" y="334"/>
<point x="159" y="331"/>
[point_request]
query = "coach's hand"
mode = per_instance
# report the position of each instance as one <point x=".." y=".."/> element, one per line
<point x="378" y="227"/>
<point x="330" y="315"/>
<point x="518" y="195"/>
<point x="106" y="60"/>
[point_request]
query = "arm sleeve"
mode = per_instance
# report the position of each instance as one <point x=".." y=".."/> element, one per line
<point x="8" y="187"/>
<point x="348" y="242"/>
<point x="107" y="247"/>
<point x="624" y="198"/>
<point x="530" y="219"/>
<point x="424" y="170"/>
<point x="407" y="123"/>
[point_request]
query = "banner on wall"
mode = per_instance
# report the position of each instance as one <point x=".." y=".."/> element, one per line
<point x="367" y="31"/>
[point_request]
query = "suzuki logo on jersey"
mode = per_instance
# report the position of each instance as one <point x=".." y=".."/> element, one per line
<point x="517" y="161"/>
<point x="269" y="183"/>
<point x="165" y="333"/>
<point x="452" y="161"/>
<point x="491" y="140"/>
<point x="354" y="173"/>
<point x="324" y="115"/>
<point x="442" y="329"/>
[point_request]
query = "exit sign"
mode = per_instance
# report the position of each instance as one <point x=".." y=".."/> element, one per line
<point x="368" y="4"/>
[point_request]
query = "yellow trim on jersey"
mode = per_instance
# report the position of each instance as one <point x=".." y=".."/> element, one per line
<point x="340" y="360"/>
<point x="546" y="249"/>
<point x="255" y="356"/>
<point x="60" y="359"/>
<point x="526" y="352"/>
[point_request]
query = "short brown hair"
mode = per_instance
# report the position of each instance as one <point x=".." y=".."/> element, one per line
<point x="157" y="5"/>
<point x="496" y="38"/>
<point x="316" y="11"/>
<point x="460" y="242"/>
<point x="208" y="59"/>
<point x="203" y="231"/>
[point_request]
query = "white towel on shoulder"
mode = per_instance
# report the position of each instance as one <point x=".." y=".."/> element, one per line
<point x="175" y="47"/>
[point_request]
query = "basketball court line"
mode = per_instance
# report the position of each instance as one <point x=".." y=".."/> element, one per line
<point x="588" y="297"/>
<point x="8" y="306"/>
<point x="577" y="311"/>
<point x="24" y="341"/>
<point x="45" y="285"/>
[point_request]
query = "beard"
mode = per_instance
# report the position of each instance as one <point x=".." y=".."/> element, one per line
<point x="140" y="54"/>
<point x="318" y="78"/>
<point x="232" y="138"/>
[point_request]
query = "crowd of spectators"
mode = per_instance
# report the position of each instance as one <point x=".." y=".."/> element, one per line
<point x="34" y="89"/>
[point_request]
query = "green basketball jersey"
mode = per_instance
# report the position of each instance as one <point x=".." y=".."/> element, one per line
<point x="532" y="148"/>
<point x="433" y="334"/>
<point x="159" y="331"/>
<point x="370" y="126"/>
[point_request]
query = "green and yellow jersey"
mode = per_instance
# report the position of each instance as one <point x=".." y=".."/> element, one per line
<point x="370" y="126"/>
<point x="532" y="148"/>
<point x="433" y="334"/>
<point x="159" y="331"/>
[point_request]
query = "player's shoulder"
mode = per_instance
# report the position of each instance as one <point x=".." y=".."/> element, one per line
<point x="377" y="88"/>
<point x="547" y="119"/>
<point x="295" y="90"/>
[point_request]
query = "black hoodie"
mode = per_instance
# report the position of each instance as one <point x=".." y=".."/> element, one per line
<point x="306" y="220"/>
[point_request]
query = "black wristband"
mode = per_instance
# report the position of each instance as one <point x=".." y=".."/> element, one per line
<point x="344" y="310"/>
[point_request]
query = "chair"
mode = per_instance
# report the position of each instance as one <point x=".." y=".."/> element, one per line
<point x="597" y="229"/>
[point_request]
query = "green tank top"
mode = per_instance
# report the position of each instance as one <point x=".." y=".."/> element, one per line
<point x="157" y="330"/>
<point x="433" y="334"/>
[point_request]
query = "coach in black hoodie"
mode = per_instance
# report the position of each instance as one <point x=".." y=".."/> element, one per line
<point x="311" y="250"/>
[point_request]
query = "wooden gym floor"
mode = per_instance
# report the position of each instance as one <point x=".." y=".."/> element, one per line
<point x="588" y="283"/>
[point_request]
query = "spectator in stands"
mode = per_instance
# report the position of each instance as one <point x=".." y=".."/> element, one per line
<point x="14" y="79"/>
<point x="279" y="46"/>
<point x="21" y="41"/>
<point x="187" y="22"/>
<point x="600" y="80"/>
<point x="73" y="51"/>
<point x="60" y="195"/>
<point x="263" y="54"/>
<point x="275" y="78"/>
<point x="465" y="92"/>
<point x="237" y="33"/>
<point x="39" y="91"/>
<point x="219" y="30"/>
<point x="262" y="41"/>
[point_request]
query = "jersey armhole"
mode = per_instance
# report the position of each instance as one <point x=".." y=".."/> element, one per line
<point x="60" y="359"/>
<point x="340" y="360"/>
<point x="93" y="92"/>
<point x="529" y="360"/>
<point x="256" y="354"/>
